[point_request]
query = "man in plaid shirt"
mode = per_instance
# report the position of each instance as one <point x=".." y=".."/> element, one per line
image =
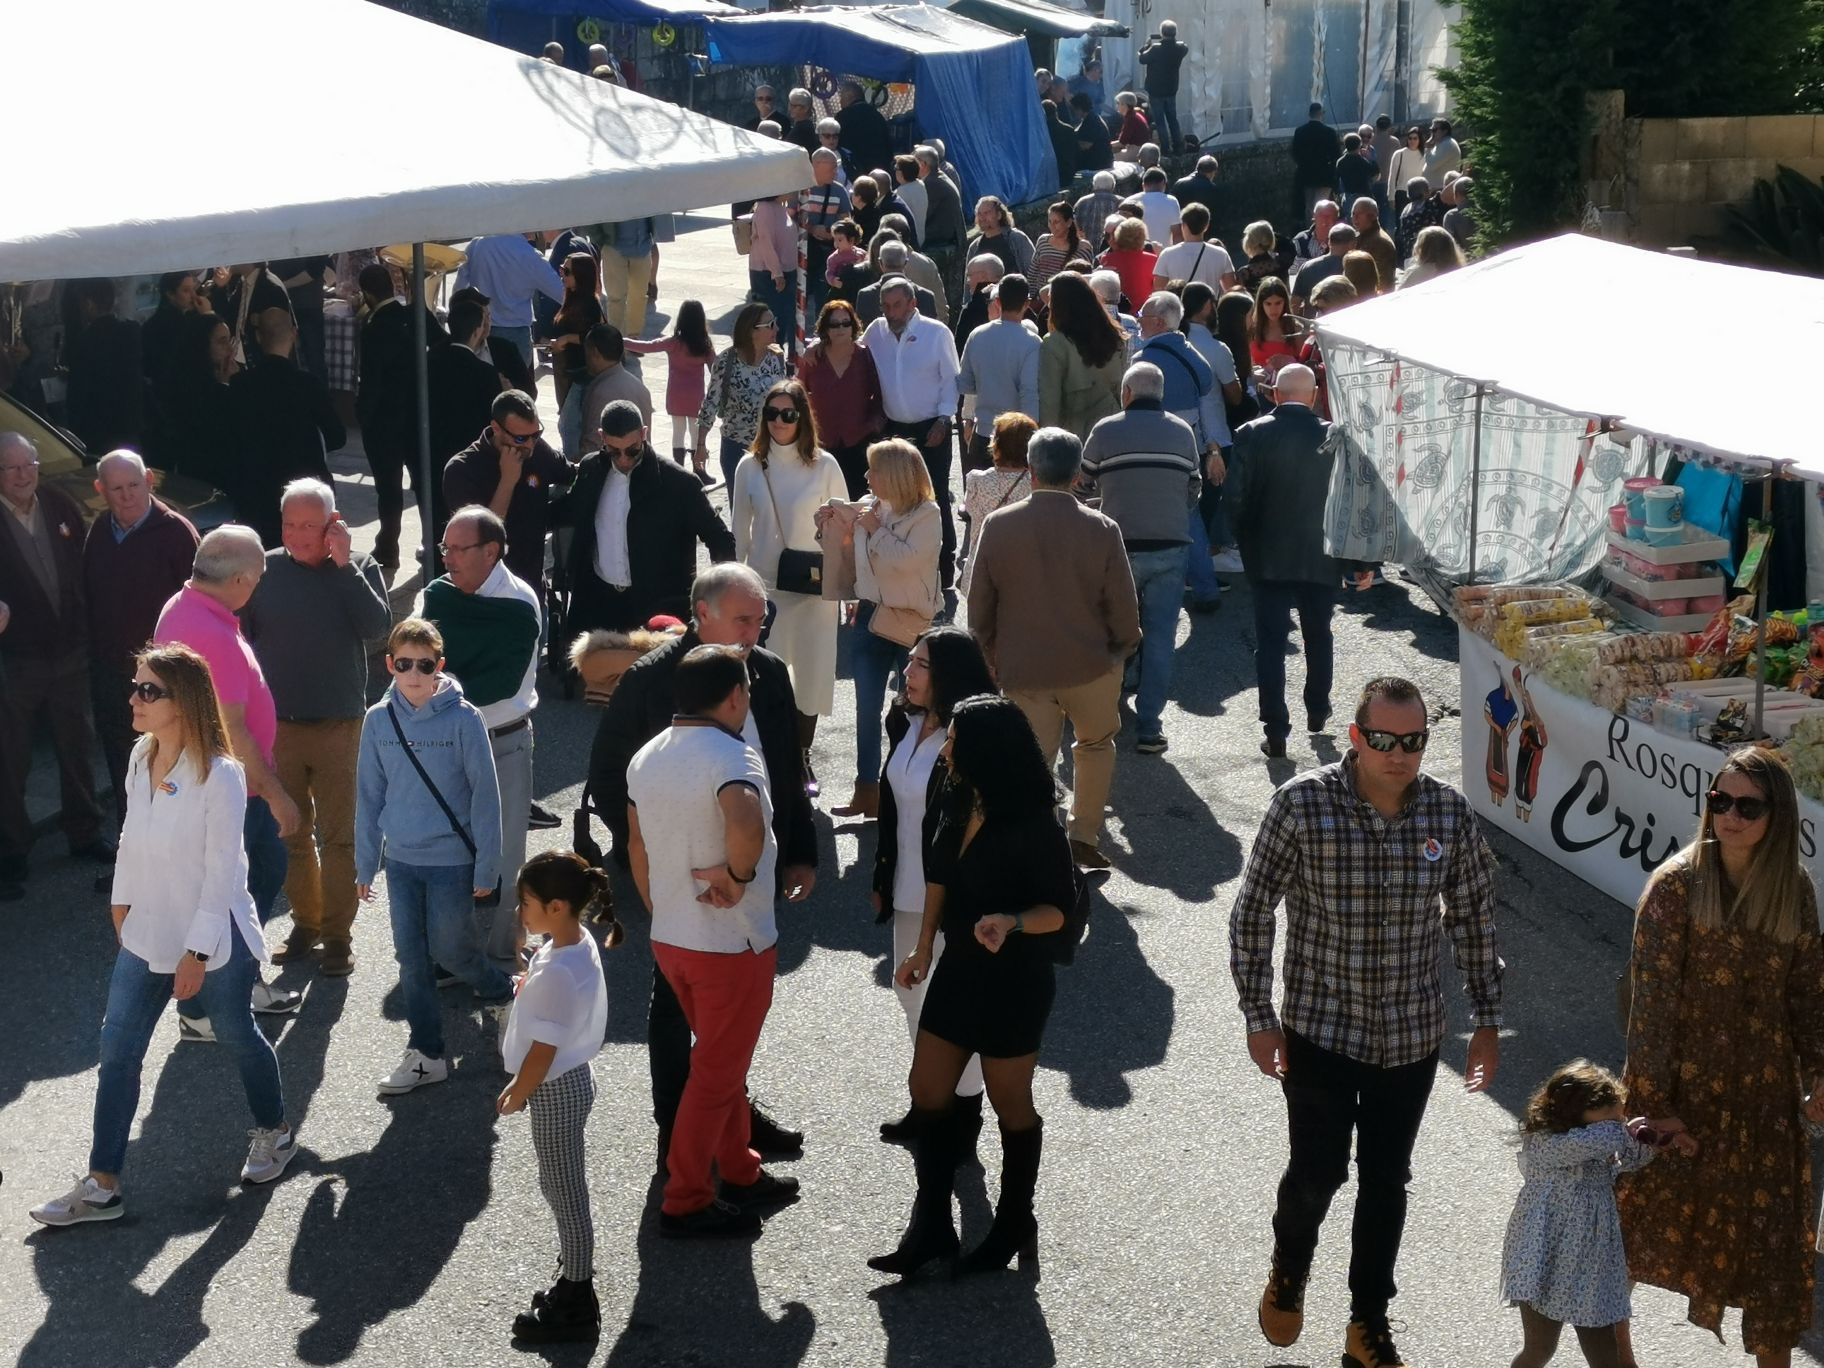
<point x="1363" y="852"/>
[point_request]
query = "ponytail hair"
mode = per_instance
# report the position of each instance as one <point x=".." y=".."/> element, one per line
<point x="564" y="876"/>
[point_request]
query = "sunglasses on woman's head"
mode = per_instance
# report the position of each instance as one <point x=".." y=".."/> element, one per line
<point x="1748" y="809"/>
<point x="1410" y="742"/>
<point x="406" y="664"/>
<point x="147" y="692"/>
<point x="785" y="415"/>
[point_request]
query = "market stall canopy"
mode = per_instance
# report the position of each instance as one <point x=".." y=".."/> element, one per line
<point x="621" y="11"/>
<point x="1035" y="17"/>
<point x="438" y="136"/>
<point x="1510" y="322"/>
<point x="973" y="83"/>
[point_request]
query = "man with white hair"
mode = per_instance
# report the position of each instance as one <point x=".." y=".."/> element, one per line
<point x="946" y="228"/>
<point x="980" y="277"/>
<point x="1276" y="494"/>
<point x="919" y="268"/>
<point x="1107" y="285"/>
<point x="1144" y="463"/>
<point x="1308" y="244"/>
<point x="1093" y="210"/>
<point x="801" y="112"/>
<point x="1194" y="394"/>
<point x="320" y="608"/>
<point x="136" y="556"/>
<point x="229" y="563"/>
<point x="820" y="209"/>
<point x="44" y="647"/>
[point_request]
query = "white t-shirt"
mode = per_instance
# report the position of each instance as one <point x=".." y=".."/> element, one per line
<point x="611" y="562"/>
<point x="674" y="783"/>
<point x="1161" y="213"/>
<point x="1188" y="261"/>
<point x="562" y="1002"/>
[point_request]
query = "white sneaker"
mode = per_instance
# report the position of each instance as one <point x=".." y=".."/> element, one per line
<point x="270" y="1001"/>
<point x="267" y="1156"/>
<point x="196" y="1029"/>
<point x="87" y="1201"/>
<point x="414" y="1071"/>
<point x="1227" y="562"/>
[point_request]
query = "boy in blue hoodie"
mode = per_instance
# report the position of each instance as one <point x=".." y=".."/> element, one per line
<point x="436" y="823"/>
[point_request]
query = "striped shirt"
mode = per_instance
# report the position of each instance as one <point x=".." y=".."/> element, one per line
<point x="1143" y="462"/>
<point x="1363" y="896"/>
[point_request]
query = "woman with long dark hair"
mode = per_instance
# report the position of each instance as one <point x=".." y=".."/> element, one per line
<point x="1275" y="333"/>
<point x="1081" y="361"/>
<point x="580" y="311"/>
<point x="185" y="923"/>
<point x="1001" y="887"/>
<point x="738" y="380"/>
<point x="1726" y="1036"/>
<point x="945" y="667"/>
<point x="1062" y="243"/>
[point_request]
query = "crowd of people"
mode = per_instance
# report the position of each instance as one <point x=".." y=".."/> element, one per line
<point x="1137" y="411"/>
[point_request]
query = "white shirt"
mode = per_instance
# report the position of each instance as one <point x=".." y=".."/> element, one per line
<point x="182" y="868"/>
<point x="1188" y="261"/>
<point x="674" y="783"/>
<point x="503" y="583"/>
<point x="611" y="560"/>
<point x="562" y="1002"/>
<point x="917" y="369"/>
<point x="1161" y="213"/>
<point x="909" y="776"/>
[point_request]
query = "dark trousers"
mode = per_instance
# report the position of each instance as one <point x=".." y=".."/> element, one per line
<point x="1274" y="601"/>
<point x="114" y="727"/>
<point x="980" y="454"/>
<point x="937" y="461"/>
<point x="854" y="462"/>
<point x="48" y="694"/>
<point x="389" y="461"/>
<point x="668" y="1049"/>
<point x="1329" y="1098"/>
<point x="1169" y="135"/>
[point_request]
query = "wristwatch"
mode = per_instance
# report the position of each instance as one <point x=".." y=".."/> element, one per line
<point x="1019" y="921"/>
<point x="199" y="956"/>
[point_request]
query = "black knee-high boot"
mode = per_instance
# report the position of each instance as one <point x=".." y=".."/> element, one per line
<point x="932" y="1232"/>
<point x="1016" y="1228"/>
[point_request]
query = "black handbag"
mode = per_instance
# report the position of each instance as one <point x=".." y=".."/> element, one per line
<point x="800" y="572"/>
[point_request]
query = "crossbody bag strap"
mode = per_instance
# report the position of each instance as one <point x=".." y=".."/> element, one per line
<point x="773" y="499"/>
<point x="418" y="765"/>
<point x="1008" y="492"/>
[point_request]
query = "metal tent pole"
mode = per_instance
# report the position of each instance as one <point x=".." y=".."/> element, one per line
<point x="1475" y="485"/>
<point x="1760" y="611"/>
<point x="422" y="377"/>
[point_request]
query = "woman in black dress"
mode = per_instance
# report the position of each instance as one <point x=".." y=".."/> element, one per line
<point x="1001" y="886"/>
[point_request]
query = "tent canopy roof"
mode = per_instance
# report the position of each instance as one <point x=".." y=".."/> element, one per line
<point x="883" y="42"/>
<point x="1512" y="321"/>
<point x="622" y="11"/>
<point x="359" y="152"/>
<point x="1035" y="16"/>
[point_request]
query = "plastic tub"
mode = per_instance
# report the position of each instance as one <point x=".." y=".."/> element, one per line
<point x="1665" y="505"/>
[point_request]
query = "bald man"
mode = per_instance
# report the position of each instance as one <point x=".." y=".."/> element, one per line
<point x="283" y="422"/>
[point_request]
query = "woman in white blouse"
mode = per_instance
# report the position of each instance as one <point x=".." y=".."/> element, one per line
<point x="778" y="488"/>
<point x="185" y="922"/>
<point x="945" y="667"/>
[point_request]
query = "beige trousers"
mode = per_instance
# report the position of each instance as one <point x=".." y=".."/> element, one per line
<point x="1094" y="710"/>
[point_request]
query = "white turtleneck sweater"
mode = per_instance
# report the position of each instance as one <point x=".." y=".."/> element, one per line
<point x="799" y="490"/>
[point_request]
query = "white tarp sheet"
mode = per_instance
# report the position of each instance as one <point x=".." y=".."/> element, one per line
<point x="384" y="128"/>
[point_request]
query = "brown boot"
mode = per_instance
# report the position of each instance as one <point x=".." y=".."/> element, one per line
<point x="865" y="804"/>
<point x="1370" y="1345"/>
<point x="1282" y="1307"/>
<point x="298" y="946"/>
<point x="338" y="959"/>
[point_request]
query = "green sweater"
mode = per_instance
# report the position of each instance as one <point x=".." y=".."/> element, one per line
<point x="487" y="642"/>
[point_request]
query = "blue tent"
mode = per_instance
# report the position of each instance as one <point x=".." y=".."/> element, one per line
<point x="974" y="83"/>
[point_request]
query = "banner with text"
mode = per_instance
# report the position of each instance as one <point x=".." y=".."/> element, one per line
<point x="1605" y="796"/>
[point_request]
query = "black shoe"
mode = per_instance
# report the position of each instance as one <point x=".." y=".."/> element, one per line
<point x="768" y="1190"/>
<point x="1205" y="606"/>
<point x="768" y="1138"/>
<point x="901" y="1132"/>
<point x="718" y="1220"/>
<point x="1316" y="722"/>
<point x="100" y="850"/>
<point x="567" y="1313"/>
<point x="663" y="1169"/>
<point x="1273" y="750"/>
<point x="543" y="819"/>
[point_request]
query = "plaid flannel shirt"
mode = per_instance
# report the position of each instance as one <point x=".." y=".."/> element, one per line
<point x="1362" y="897"/>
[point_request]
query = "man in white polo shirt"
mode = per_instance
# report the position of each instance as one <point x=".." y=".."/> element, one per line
<point x="916" y="359"/>
<point x="700" y="836"/>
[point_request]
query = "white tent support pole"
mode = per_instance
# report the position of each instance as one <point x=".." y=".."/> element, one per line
<point x="421" y="379"/>
<point x="1475" y="483"/>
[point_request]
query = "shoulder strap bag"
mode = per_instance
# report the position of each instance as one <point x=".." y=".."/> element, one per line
<point x="412" y="755"/>
<point x="800" y="572"/>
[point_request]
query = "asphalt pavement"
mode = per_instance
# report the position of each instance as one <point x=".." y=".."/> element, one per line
<point x="409" y="1230"/>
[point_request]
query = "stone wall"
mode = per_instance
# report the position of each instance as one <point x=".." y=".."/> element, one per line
<point x="1682" y="173"/>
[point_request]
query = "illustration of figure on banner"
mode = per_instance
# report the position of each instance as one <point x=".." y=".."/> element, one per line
<point x="1532" y="751"/>
<point x="1502" y="716"/>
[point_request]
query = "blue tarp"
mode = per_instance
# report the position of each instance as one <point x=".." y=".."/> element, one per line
<point x="974" y="83"/>
<point x="613" y="11"/>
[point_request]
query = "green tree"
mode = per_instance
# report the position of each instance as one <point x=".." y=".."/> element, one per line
<point x="1684" y="59"/>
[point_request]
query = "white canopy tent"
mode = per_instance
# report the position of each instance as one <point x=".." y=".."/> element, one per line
<point x="342" y="124"/>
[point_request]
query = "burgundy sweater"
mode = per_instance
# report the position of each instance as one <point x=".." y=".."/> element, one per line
<point x="126" y="583"/>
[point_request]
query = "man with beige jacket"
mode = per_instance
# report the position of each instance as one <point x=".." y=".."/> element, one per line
<point x="1051" y="599"/>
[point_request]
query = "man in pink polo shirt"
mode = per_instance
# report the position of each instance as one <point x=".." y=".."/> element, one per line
<point x="201" y="615"/>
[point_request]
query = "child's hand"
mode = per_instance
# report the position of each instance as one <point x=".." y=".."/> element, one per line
<point x="509" y="1100"/>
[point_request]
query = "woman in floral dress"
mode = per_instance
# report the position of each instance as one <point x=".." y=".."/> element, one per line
<point x="1726" y="1033"/>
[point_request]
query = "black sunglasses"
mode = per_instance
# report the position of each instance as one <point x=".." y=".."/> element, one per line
<point x="786" y="415"/>
<point x="147" y="692"/>
<point x="406" y="664"/>
<point x="1748" y="809"/>
<point x="521" y="438"/>
<point x="1410" y="742"/>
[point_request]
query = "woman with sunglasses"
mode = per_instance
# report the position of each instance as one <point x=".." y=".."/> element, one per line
<point x="843" y="389"/>
<point x="1408" y="161"/>
<point x="778" y="488"/>
<point x="738" y="381"/>
<point x="427" y="805"/>
<point x="185" y="922"/>
<point x="1726" y="1033"/>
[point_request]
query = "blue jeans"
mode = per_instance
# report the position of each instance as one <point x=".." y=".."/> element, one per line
<point x="570" y="421"/>
<point x="1204" y="584"/>
<point x="784" y="304"/>
<point x="433" y="915"/>
<point x="1159" y="581"/>
<point x="267" y="861"/>
<point x="1274" y="601"/>
<point x="519" y="337"/>
<point x="136" y="996"/>
<point x="732" y="452"/>
<point x="874" y="661"/>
